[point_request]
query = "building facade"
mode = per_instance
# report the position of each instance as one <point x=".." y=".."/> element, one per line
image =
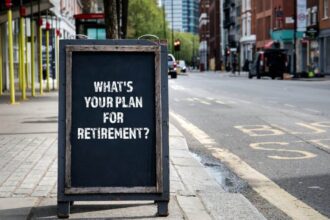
<point x="248" y="39"/>
<point x="263" y="18"/>
<point x="324" y="36"/>
<point x="57" y="18"/>
<point x="204" y="34"/>
<point x="182" y="15"/>
<point x="232" y="32"/>
<point x="214" y="41"/>
<point x="311" y="37"/>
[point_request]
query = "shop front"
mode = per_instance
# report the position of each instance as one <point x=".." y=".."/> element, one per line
<point x="324" y="44"/>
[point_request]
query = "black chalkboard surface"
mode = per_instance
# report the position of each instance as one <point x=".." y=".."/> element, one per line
<point x="113" y="122"/>
<point x="115" y="162"/>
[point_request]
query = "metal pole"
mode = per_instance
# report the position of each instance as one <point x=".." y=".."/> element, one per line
<point x="164" y="21"/>
<point x="11" y="57"/>
<point x="47" y="54"/>
<point x="26" y="55"/>
<point x="294" y="40"/>
<point x="172" y="27"/>
<point x="40" y="51"/>
<point x="1" y="62"/>
<point x="20" y="55"/>
<point x="193" y="52"/>
<point x="22" y="51"/>
<point x="57" y="55"/>
<point x="32" y="26"/>
<point x="53" y="54"/>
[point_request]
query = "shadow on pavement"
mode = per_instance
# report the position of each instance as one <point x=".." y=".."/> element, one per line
<point x="85" y="211"/>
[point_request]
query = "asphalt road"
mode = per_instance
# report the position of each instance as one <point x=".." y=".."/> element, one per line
<point x="280" y="129"/>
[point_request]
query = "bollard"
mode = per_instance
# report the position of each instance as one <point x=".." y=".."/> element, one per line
<point x="11" y="57"/>
<point x="22" y="57"/>
<point x="33" y="92"/>
<point x="40" y="58"/>
<point x="57" y="52"/>
<point x="47" y="59"/>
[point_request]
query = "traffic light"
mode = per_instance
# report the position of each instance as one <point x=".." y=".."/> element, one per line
<point x="177" y="45"/>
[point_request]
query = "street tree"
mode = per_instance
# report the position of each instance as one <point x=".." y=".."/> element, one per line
<point x="115" y="12"/>
<point x="145" y="17"/>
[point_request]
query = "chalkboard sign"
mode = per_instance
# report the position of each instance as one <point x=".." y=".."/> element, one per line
<point x="113" y="124"/>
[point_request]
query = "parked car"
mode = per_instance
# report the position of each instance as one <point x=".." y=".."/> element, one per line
<point x="172" y="66"/>
<point x="182" y="66"/>
<point x="269" y="62"/>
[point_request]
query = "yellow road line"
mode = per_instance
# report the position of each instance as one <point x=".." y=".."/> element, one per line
<point x="266" y="188"/>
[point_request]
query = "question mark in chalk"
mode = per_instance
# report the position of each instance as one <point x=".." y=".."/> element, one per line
<point x="147" y="132"/>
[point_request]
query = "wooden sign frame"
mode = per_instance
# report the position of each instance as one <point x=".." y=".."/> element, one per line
<point x="67" y="194"/>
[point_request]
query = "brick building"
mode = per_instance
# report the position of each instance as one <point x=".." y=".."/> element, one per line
<point x="324" y="36"/>
<point x="215" y="36"/>
<point x="248" y="38"/>
<point x="263" y="18"/>
<point x="311" y="36"/>
<point x="232" y="31"/>
<point x="204" y="33"/>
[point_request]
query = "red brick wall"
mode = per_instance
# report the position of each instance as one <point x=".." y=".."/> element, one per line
<point x="263" y="24"/>
<point x="324" y="22"/>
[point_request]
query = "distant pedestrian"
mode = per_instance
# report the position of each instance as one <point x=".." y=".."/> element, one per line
<point x="246" y="67"/>
<point x="234" y="66"/>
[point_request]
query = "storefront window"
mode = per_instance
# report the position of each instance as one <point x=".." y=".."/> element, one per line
<point x="96" y="33"/>
<point x="326" y="8"/>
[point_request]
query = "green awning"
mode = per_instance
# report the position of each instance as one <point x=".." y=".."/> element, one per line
<point x="285" y="35"/>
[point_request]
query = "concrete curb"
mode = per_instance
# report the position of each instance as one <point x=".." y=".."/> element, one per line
<point x="203" y="197"/>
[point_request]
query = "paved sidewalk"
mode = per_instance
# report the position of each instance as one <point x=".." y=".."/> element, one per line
<point x="28" y="174"/>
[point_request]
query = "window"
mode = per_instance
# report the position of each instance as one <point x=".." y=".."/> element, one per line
<point x="326" y="8"/>
<point x="248" y="25"/>
<point x="314" y="15"/>
<point x="248" y="5"/>
<point x="309" y="17"/>
<point x="96" y="33"/>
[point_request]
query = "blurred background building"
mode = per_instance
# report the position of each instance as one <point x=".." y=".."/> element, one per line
<point x="182" y="14"/>
<point x="55" y="16"/>
<point x="242" y="27"/>
<point x="204" y="34"/>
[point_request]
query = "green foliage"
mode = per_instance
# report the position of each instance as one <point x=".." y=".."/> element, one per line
<point x="189" y="46"/>
<point x="145" y="17"/>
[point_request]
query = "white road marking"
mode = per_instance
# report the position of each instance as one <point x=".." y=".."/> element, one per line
<point x="220" y="102"/>
<point x="313" y="128"/>
<point x="177" y="100"/>
<point x="259" y="130"/>
<point x="202" y="101"/>
<point x="321" y="143"/>
<point x="266" y="188"/>
<point x="315" y="187"/>
<point x="244" y="101"/>
<point x="263" y="146"/>
<point x="323" y="124"/>
<point x="178" y="88"/>
<point x="312" y="110"/>
<point x="291" y="106"/>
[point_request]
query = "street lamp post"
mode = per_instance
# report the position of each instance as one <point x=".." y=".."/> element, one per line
<point x="172" y="13"/>
<point x="294" y="56"/>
